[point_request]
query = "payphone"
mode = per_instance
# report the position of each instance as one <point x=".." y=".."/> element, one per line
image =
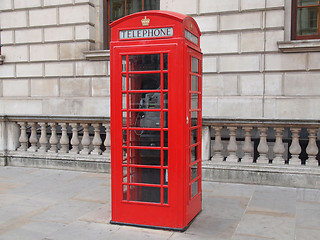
<point x="156" y="91"/>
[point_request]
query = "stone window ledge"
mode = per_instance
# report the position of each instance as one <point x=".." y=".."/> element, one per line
<point x="97" y="55"/>
<point x="1" y="59"/>
<point x="300" y="46"/>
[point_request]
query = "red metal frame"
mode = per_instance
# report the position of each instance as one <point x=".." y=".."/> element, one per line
<point x="166" y="185"/>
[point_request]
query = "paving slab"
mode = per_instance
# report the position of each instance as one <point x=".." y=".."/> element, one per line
<point x="53" y="204"/>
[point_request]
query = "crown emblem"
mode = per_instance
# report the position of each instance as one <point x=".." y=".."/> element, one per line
<point x="145" y="21"/>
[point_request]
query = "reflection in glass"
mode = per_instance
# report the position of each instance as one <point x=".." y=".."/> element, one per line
<point x="194" y="83"/>
<point x="145" y="119"/>
<point x="145" y="62"/>
<point x="308" y="21"/>
<point x="124" y="156"/>
<point x="165" y="195"/>
<point x="194" y="171"/>
<point x="165" y="81"/>
<point x="307" y="2"/>
<point x="165" y="100"/>
<point x="194" y="101"/>
<point x="124" y="137"/>
<point x="124" y="82"/>
<point x="125" y="189"/>
<point x="194" y="65"/>
<point x="165" y="61"/>
<point x="117" y="9"/>
<point x="125" y="174"/>
<point x="194" y="189"/>
<point x="165" y="119"/>
<point x="134" y="6"/>
<point x="145" y="175"/>
<point x="146" y="157"/>
<point x="165" y="176"/>
<point x="124" y="63"/>
<point x="145" y="194"/>
<point x="194" y="118"/>
<point x="165" y="138"/>
<point x="151" y="4"/>
<point x="145" y="138"/>
<point x="145" y="100"/>
<point x="150" y="81"/>
<point x="124" y="119"/>
<point x="165" y="157"/>
<point x="194" y="154"/>
<point x="194" y="136"/>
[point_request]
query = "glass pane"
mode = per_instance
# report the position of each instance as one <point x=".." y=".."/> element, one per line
<point x="117" y="9"/>
<point x="308" y="21"/>
<point x="165" y="100"/>
<point x="165" y="157"/>
<point x="124" y="119"/>
<point x="165" y="61"/>
<point x="307" y="2"/>
<point x="194" y="101"/>
<point x="194" y="154"/>
<point x="151" y="81"/>
<point x="125" y="189"/>
<point x="165" y="119"/>
<point x="194" y="171"/>
<point x="124" y="155"/>
<point x="125" y="174"/>
<point x="124" y="82"/>
<point x="194" y="136"/>
<point x="194" y="83"/>
<point x="124" y="63"/>
<point x="194" y="65"/>
<point x="165" y="138"/>
<point x="144" y="62"/>
<point x="145" y="194"/>
<point x="124" y="101"/>
<point x="145" y="175"/>
<point x="194" y="119"/>
<point x="124" y="137"/>
<point x="165" y="176"/>
<point x="145" y="100"/>
<point x="165" y="195"/>
<point x="147" y="157"/>
<point x="134" y="6"/>
<point x="151" y="5"/>
<point x="194" y="189"/>
<point x="145" y="138"/>
<point x="145" y="119"/>
<point x="165" y="81"/>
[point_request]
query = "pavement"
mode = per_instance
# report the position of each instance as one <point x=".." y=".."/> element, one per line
<point x="57" y="204"/>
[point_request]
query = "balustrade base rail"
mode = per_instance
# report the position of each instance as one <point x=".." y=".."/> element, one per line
<point x="88" y="163"/>
<point x="285" y="176"/>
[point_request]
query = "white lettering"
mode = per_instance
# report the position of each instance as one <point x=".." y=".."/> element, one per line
<point x="146" y="33"/>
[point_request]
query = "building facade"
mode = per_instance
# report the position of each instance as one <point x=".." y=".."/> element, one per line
<point x="261" y="74"/>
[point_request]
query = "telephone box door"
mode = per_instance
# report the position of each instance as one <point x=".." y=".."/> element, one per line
<point x="148" y="186"/>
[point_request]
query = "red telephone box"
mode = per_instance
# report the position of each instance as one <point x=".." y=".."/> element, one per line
<point x="156" y="92"/>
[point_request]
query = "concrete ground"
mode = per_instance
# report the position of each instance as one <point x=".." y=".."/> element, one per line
<point x="56" y="204"/>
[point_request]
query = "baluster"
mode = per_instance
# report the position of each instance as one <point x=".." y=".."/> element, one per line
<point x="247" y="146"/>
<point x="43" y="140"/>
<point x="96" y="141"/>
<point x="75" y="139"/>
<point x="85" y="139"/>
<point x="33" y="138"/>
<point x="64" y="140"/>
<point x="23" y="139"/>
<point x="217" y="146"/>
<point x="206" y="143"/>
<point x="295" y="148"/>
<point x="232" y="146"/>
<point x="263" y="146"/>
<point x="53" y="139"/>
<point x="107" y="141"/>
<point x="312" y="148"/>
<point x="278" y="148"/>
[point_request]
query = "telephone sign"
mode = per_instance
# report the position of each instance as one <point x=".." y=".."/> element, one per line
<point x="156" y="105"/>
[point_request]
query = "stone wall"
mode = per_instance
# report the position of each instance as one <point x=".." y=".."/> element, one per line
<point x="246" y="73"/>
<point x="45" y="71"/>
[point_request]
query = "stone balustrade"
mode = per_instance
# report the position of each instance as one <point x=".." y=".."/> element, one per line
<point x="54" y="141"/>
<point x="280" y="143"/>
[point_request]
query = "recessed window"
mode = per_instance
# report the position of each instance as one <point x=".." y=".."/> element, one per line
<point x="305" y="19"/>
<point x="115" y="9"/>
